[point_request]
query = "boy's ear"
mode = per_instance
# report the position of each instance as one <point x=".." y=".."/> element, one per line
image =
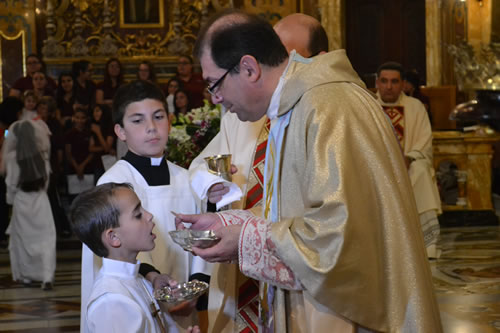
<point x="120" y="132"/>
<point x="111" y="238"/>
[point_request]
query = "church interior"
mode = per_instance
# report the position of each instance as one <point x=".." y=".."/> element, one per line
<point x="452" y="45"/>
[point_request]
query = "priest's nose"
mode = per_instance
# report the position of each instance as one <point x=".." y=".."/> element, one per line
<point x="217" y="99"/>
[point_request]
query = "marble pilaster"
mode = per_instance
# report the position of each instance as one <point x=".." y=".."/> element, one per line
<point x="433" y="42"/>
<point x="333" y="20"/>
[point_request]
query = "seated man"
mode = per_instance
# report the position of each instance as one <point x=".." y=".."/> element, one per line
<point x="413" y="129"/>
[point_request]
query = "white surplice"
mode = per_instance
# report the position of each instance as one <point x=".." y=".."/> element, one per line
<point x="239" y="139"/>
<point x="120" y="301"/>
<point x="168" y="257"/>
<point x="417" y="144"/>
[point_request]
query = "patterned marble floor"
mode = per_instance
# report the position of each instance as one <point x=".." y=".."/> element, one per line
<point x="466" y="278"/>
<point x="30" y="309"/>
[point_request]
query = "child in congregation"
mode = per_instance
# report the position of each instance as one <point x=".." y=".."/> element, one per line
<point x="47" y="115"/>
<point x="141" y="121"/>
<point x="30" y="101"/>
<point x="110" y="220"/>
<point x="78" y="156"/>
<point x="32" y="242"/>
<point x="102" y="138"/>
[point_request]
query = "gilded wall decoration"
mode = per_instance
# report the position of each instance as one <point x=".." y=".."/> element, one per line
<point x="142" y="14"/>
<point x="17" y="40"/>
<point x="13" y="3"/>
<point x="271" y="10"/>
<point x="127" y="28"/>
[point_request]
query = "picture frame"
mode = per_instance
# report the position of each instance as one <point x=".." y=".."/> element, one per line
<point x="142" y="14"/>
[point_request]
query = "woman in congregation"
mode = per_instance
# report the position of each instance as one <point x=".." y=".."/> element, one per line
<point x="65" y="97"/>
<point x="40" y="85"/>
<point x="102" y="138"/>
<point x="33" y="64"/>
<point x="182" y="103"/>
<point x="192" y="82"/>
<point x="113" y="79"/>
<point x="146" y="72"/>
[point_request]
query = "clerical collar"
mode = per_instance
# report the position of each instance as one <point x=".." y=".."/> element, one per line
<point x="153" y="169"/>
<point x="272" y="110"/>
<point x="396" y="103"/>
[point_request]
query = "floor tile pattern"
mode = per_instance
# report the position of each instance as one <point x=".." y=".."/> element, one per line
<point x="467" y="279"/>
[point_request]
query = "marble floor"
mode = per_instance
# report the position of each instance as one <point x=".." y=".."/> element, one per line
<point x="466" y="280"/>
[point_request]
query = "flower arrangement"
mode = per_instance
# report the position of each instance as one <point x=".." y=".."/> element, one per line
<point x="190" y="133"/>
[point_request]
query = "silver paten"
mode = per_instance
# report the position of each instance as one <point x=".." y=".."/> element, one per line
<point x="188" y="238"/>
<point x="182" y="292"/>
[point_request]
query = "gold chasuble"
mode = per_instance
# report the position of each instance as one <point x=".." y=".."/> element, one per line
<point x="348" y="228"/>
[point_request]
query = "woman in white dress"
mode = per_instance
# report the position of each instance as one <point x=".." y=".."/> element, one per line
<point x="32" y="242"/>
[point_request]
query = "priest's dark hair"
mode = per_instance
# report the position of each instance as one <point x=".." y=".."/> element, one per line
<point x="231" y="34"/>
<point x="94" y="211"/>
<point x="391" y="65"/>
<point x="318" y="40"/>
<point x="134" y="91"/>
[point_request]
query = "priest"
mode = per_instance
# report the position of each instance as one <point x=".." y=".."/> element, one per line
<point x="233" y="296"/>
<point x="413" y="129"/>
<point x="338" y="246"/>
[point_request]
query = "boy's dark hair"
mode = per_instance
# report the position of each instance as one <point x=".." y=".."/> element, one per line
<point x="134" y="91"/>
<point x="391" y="65"/>
<point x="247" y="34"/>
<point x="94" y="211"/>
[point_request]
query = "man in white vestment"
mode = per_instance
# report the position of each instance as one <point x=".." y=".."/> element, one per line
<point x="338" y="247"/>
<point x="413" y="129"/>
<point x="304" y="34"/>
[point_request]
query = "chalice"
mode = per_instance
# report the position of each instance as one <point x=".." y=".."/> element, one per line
<point x="220" y="165"/>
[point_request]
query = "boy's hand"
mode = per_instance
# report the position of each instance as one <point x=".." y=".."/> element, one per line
<point x="195" y="329"/>
<point x="162" y="280"/>
<point x="208" y="221"/>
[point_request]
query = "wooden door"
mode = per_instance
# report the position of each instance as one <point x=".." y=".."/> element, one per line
<point x="385" y="30"/>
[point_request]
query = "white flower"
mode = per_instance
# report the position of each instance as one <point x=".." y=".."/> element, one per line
<point x="179" y="134"/>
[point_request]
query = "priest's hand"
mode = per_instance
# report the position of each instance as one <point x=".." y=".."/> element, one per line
<point x="226" y="250"/>
<point x="208" y="221"/>
<point x="217" y="191"/>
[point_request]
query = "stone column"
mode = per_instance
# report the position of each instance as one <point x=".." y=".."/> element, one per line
<point x="333" y="20"/>
<point x="433" y="42"/>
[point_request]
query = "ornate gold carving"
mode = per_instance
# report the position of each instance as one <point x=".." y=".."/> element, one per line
<point x="479" y="71"/>
<point x="88" y="28"/>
